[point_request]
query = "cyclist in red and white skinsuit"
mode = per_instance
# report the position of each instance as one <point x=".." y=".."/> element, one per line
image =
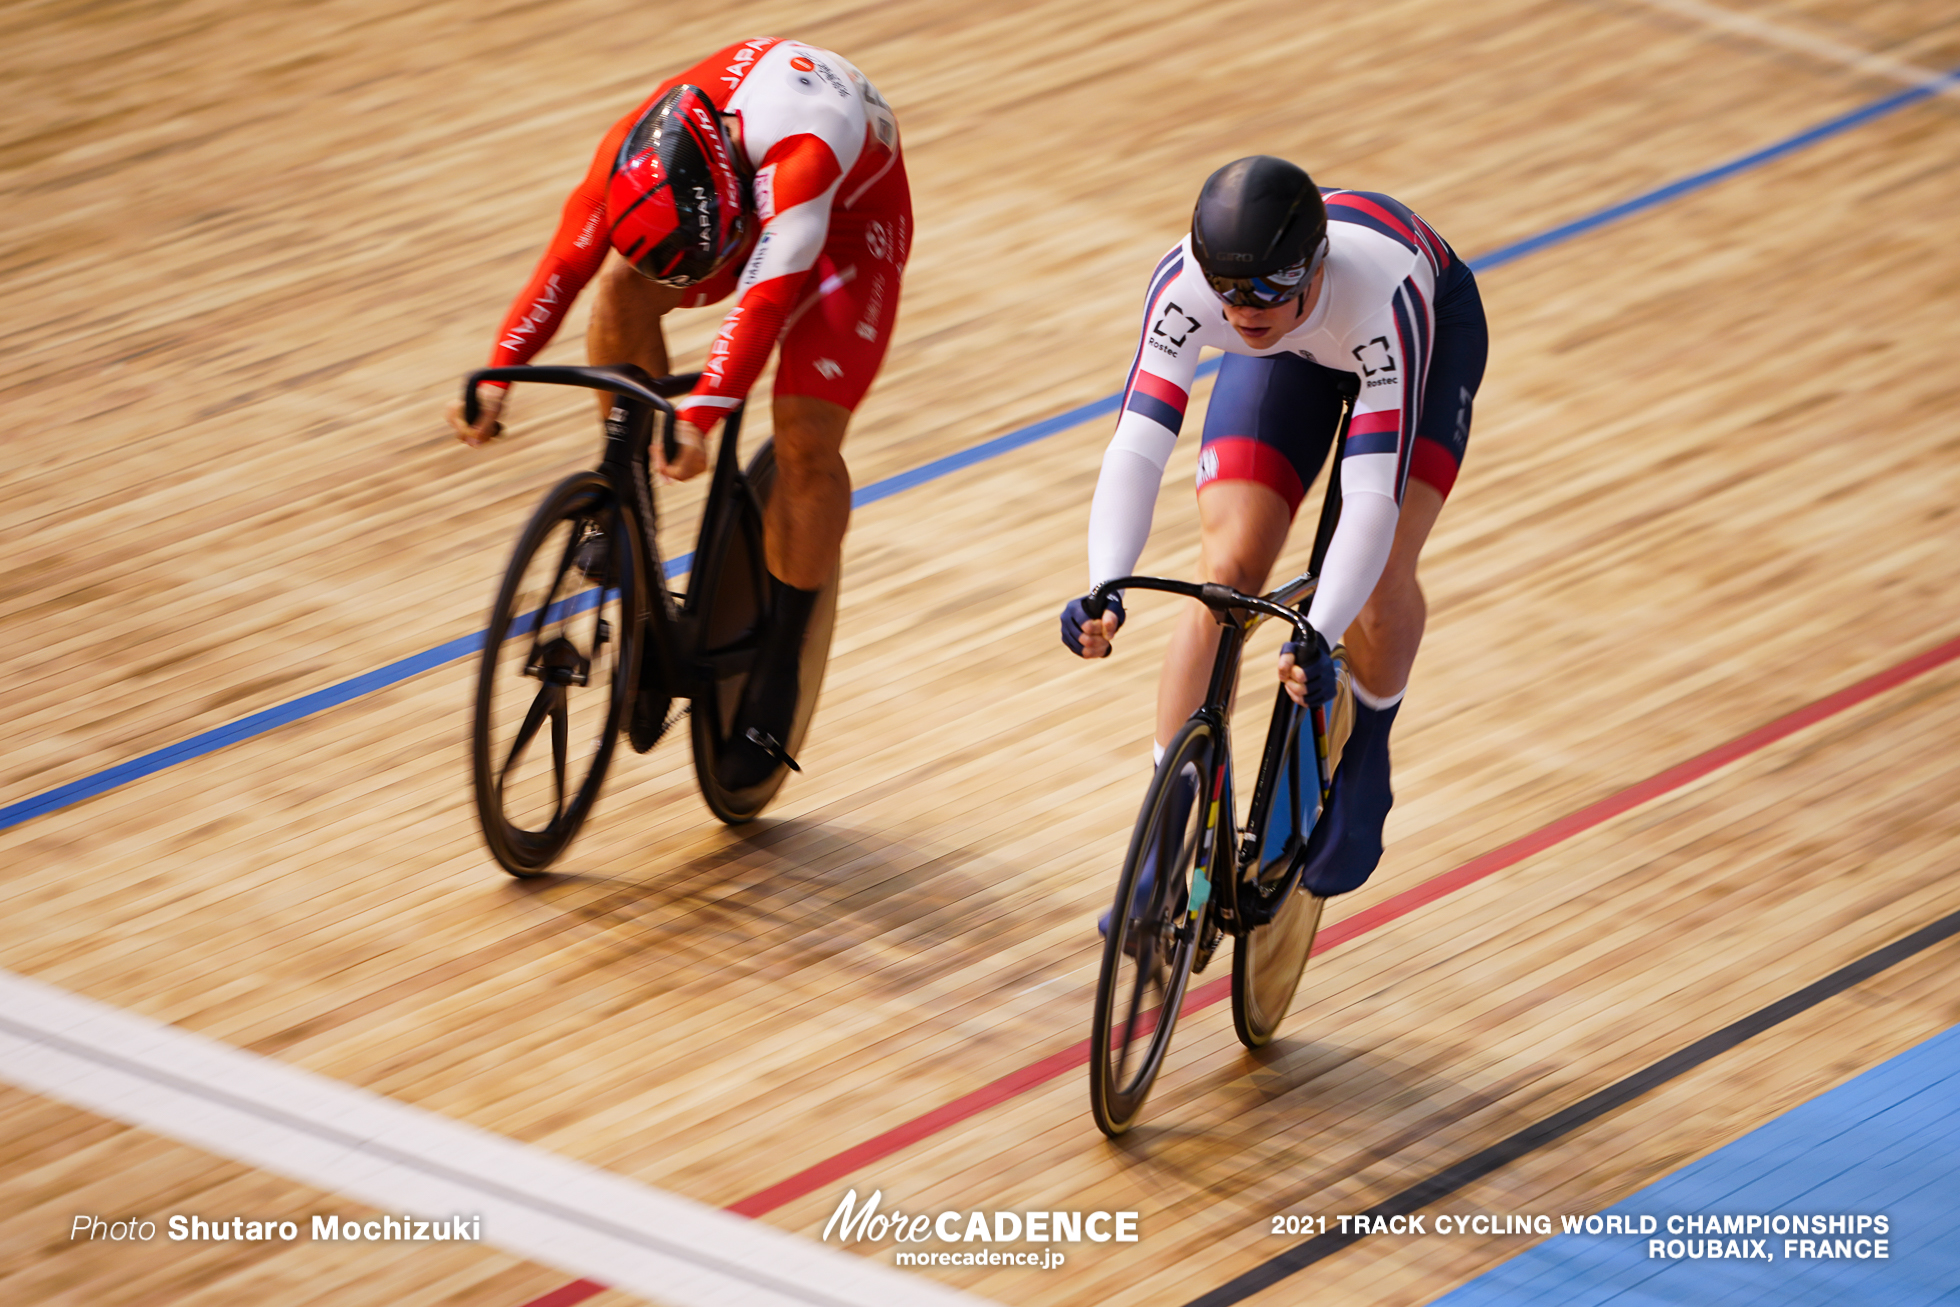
<point x="812" y="226"/>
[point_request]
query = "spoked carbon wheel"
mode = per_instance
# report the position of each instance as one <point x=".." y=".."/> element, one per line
<point x="1268" y="960"/>
<point x="731" y="610"/>
<point x="554" y="680"/>
<point x="1151" y="938"/>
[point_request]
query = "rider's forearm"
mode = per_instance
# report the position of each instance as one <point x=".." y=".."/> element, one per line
<point x="1119" y="518"/>
<point x="1355" y="558"/>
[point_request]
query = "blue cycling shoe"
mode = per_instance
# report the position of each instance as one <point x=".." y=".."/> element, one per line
<point x="1178" y="813"/>
<point x="1345" y="845"/>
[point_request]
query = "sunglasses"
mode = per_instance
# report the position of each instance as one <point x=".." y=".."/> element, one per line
<point x="1269" y="291"/>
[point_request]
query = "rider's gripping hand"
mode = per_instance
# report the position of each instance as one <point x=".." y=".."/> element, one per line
<point x="1307" y="671"/>
<point x="1089" y="636"/>
<point x="691" y="456"/>
<point x="490" y="418"/>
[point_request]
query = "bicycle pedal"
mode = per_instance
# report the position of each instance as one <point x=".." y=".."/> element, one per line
<point x="769" y="745"/>
<point x="593" y="559"/>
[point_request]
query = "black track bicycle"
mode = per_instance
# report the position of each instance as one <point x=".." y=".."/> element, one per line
<point x="587" y="642"/>
<point x="1193" y="874"/>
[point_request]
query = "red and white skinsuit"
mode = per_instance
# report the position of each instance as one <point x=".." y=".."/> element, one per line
<point x="833" y="229"/>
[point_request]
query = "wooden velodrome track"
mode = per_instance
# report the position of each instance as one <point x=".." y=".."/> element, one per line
<point x="249" y="250"/>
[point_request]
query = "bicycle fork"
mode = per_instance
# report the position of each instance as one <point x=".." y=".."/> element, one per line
<point x="1209" y="845"/>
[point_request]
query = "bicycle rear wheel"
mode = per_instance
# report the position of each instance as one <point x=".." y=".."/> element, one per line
<point x="555" y="679"/>
<point x="1152" y="937"/>
<point x="1267" y="961"/>
<point x="731" y="611"/>
<point x="1266" y="966"/>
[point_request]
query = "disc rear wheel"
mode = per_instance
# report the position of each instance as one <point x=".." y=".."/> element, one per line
<point x="1266" y="966"/>
<point x="732" y="608"/>
<point x="554" y="681"/>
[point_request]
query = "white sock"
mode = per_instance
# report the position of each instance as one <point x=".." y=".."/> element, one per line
<point x="1377" y="702"/>
<point x="1156" y="753"/>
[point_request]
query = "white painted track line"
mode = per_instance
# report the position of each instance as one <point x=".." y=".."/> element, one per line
<point x="401" y="1159"/>
<point x="1802" y="42"/>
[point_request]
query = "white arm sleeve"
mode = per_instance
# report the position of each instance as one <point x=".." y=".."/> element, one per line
<point x="1146" y="430"/>
<point x="1119" y="519"/>
<point x="1355" y="558"/>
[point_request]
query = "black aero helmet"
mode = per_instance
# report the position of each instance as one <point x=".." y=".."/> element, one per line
<point x="1259" y="230"/>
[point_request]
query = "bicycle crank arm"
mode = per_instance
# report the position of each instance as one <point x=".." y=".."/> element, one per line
<point x="771" y="746"/>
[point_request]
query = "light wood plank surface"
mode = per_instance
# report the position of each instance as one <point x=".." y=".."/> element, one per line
<point x="1712" y="479"/>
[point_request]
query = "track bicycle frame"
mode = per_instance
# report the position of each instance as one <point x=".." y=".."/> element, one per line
<point x="673" y="644"/>
<point x="1240" y="614"/>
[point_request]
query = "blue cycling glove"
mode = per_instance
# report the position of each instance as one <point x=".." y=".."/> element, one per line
<point x="1317" y="662"/>
<point x="1077" y="613"/>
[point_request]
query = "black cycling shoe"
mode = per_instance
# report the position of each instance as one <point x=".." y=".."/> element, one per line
<point x="758" y="742"/>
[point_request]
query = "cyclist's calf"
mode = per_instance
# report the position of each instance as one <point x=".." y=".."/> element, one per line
<point x="807" y="517"/>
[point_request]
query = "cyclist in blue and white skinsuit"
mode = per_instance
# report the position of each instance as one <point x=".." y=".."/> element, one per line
<point x="1297" y="285"/>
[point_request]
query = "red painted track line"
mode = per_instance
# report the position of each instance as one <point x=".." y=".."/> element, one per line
<point x="565" y="1295"/>
<point x="1055" y="1065"/>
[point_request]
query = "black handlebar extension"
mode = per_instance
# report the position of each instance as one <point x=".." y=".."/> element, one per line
<point x="625" y="379"/>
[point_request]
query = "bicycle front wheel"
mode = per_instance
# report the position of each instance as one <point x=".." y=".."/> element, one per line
<point x="1152" y="935"/>
<point x="555" y="679"/>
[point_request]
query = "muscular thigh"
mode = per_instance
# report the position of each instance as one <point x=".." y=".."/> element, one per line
<point x="1242" y="527"/>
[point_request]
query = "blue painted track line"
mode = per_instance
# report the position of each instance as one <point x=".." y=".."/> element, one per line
<point x="1721" y="172"/>
<point x="380" y="678"/>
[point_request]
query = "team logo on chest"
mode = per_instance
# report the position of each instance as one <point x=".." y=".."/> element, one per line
<point x="1375" y="357"/>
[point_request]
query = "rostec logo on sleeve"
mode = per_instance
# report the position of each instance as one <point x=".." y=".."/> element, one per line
<point x="1374" y="356"/>
<point x="1174" y="319"/>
